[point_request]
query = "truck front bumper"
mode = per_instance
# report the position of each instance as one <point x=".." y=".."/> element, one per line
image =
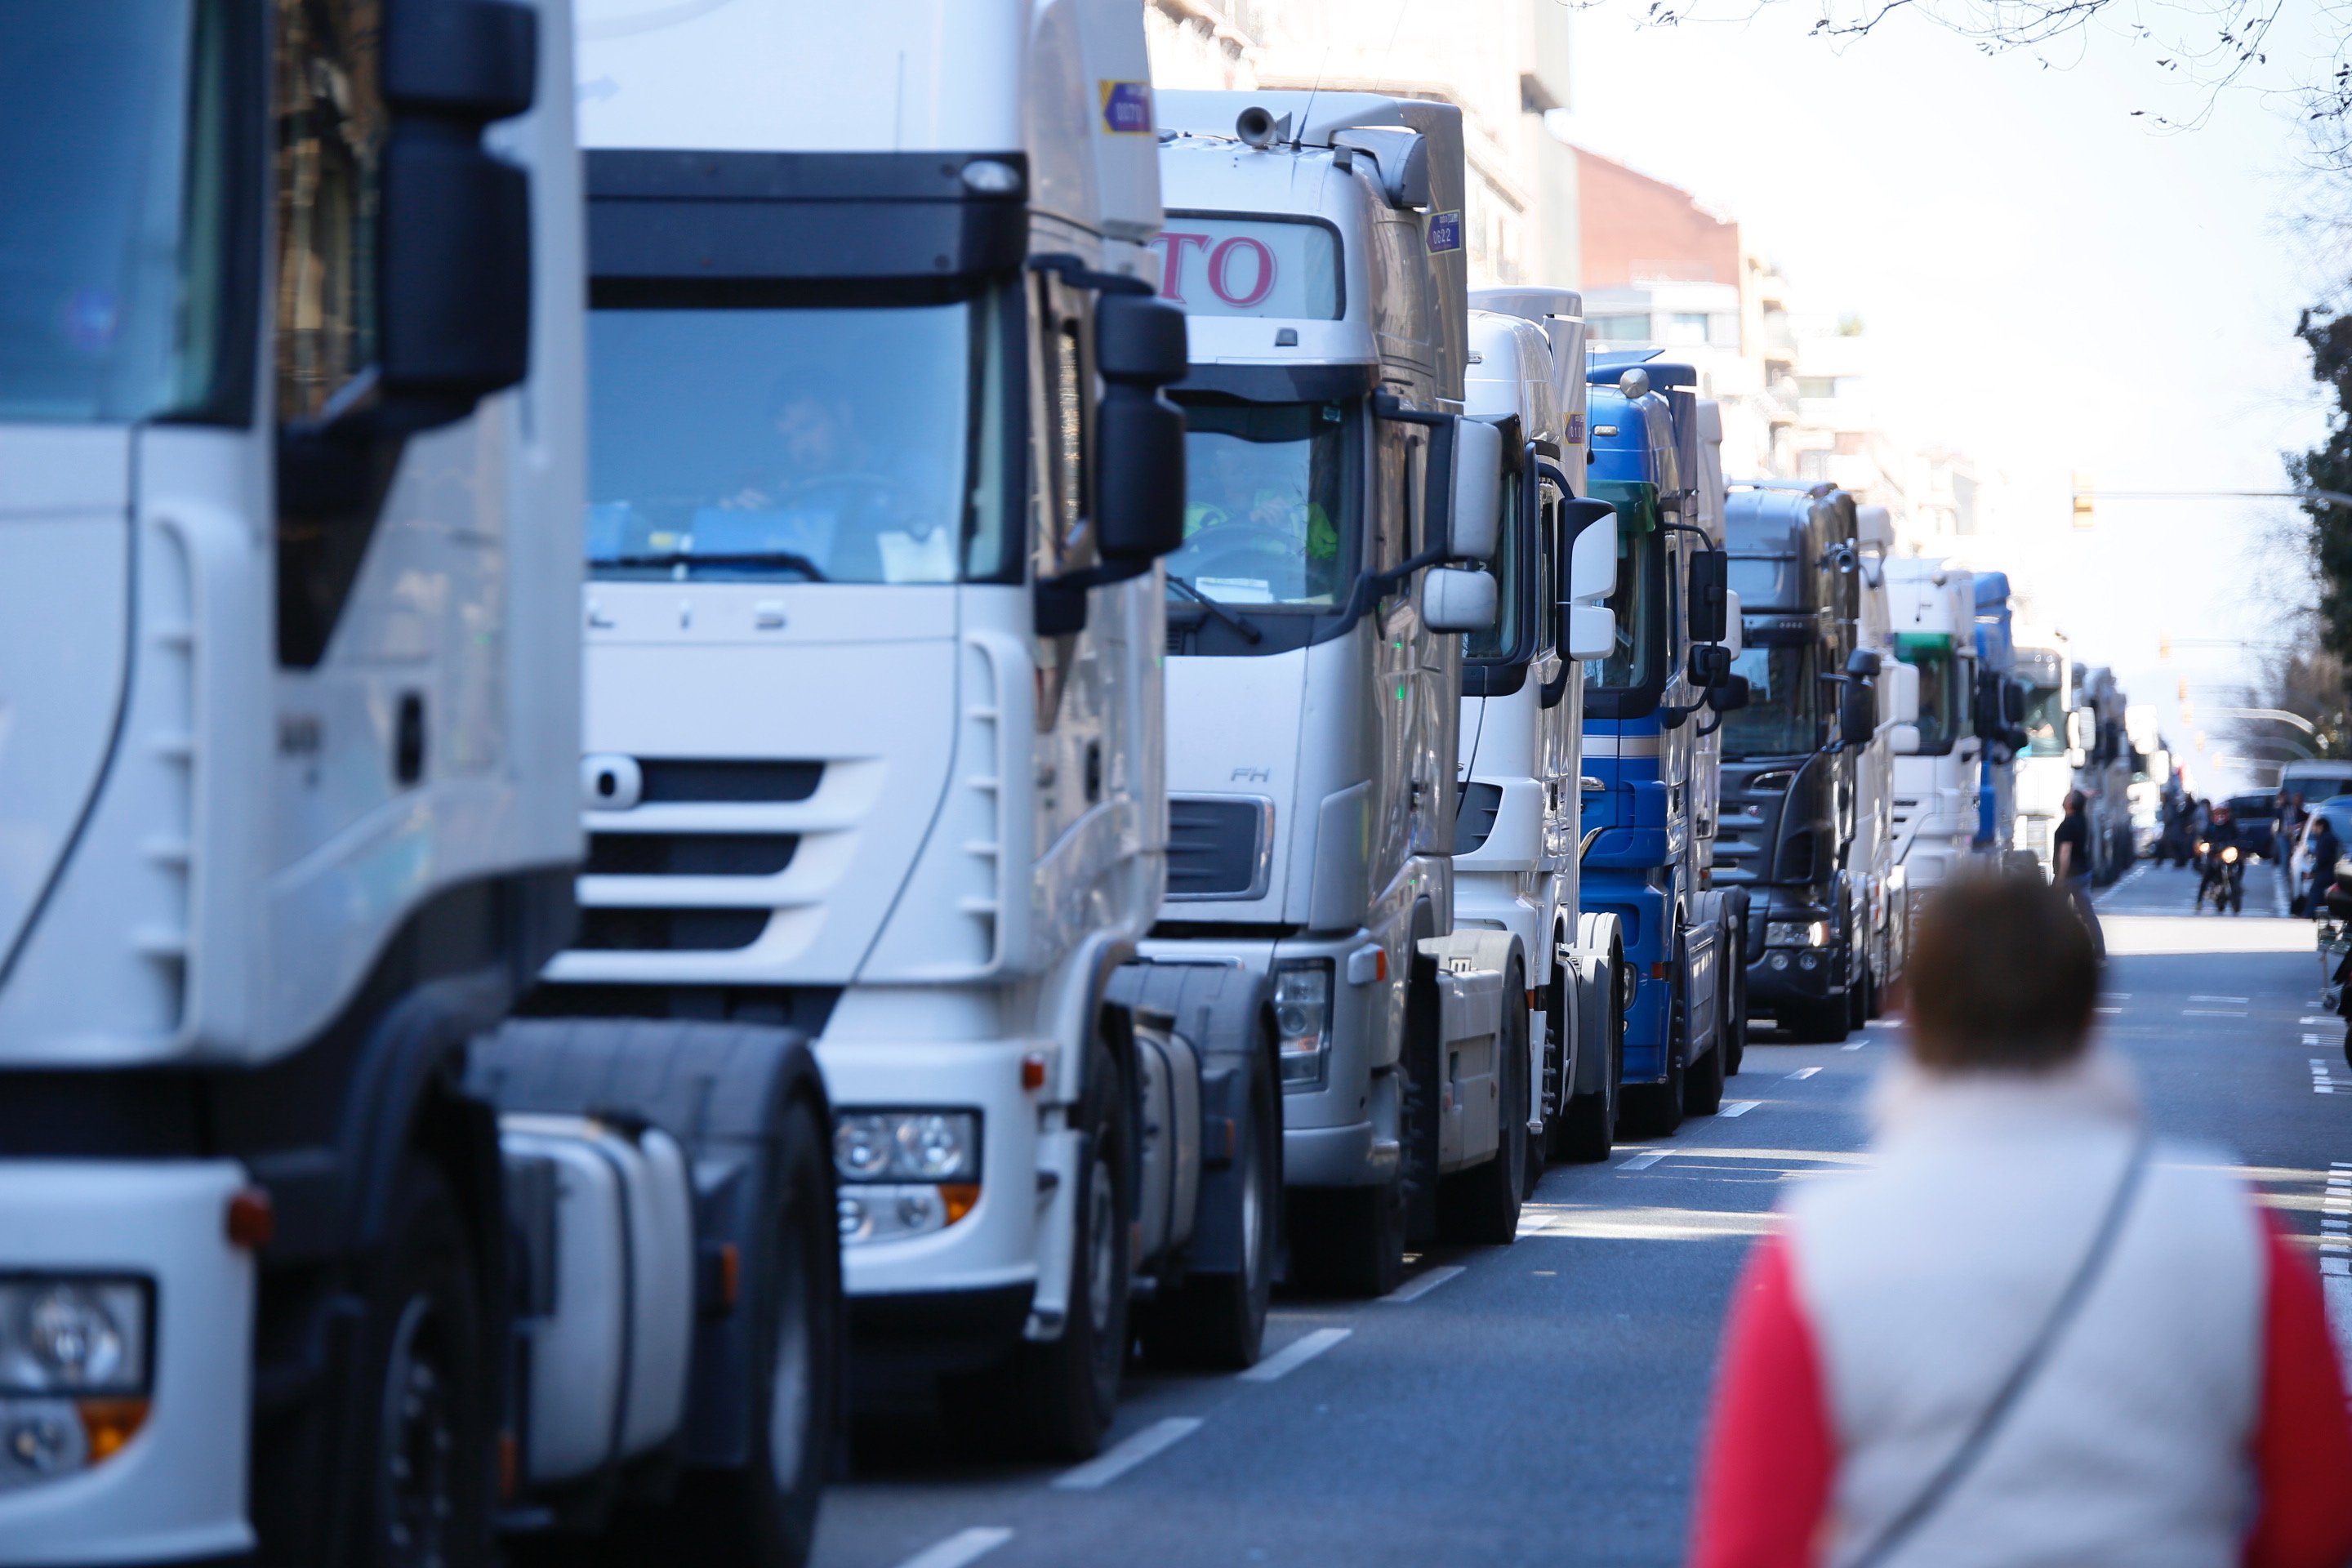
<point x="1340" y="1130"/>
<point x="175" y="1491"/>
<point x="903" y="1284"/>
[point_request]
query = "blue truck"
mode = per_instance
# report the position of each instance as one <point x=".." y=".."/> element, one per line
<point x="1999" y="716"/>
<point x="1650" y="708"/>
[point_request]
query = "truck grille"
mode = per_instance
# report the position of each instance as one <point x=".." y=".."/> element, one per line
<point x="725" y="781"/>
<point x="1474" y="822"/>
<point x="1217" y="846"/>
<point x="630" y="929"/>
<point x="690" y="854"/>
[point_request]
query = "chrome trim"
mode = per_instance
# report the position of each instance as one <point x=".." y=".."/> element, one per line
<point x="1621" y="745"/>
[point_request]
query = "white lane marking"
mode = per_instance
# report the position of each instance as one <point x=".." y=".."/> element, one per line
<point x="2106" y="1009"/>
<point x="2213" y="1012"/>
<point x="1421" y="1285"/>
<point x="1855" y="1046"/>
<point x="1294" y="1355"/>
<point x="1738" y="1107"/>
<point x="964" y="1546"/>
<point x="1642" y="1161"/>
<point x="1105" y="1469"/>
<point x="2319" y="1018"/>
<point x="1802" y="1072"/>
<point x="2241" y="1000"/>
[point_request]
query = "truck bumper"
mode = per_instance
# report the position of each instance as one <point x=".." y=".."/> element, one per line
<point x="993" y="1257"/>
<point x="175" y="1491"/>
<point x="1793" y="974"/>
<point x="1342" y="1131"/>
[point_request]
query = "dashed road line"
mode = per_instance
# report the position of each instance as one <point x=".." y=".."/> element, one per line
<point x="1802" y="1072"/>
<point x="1642" y="1161"/>
<point x="1737" y="1107"/>
<point x="1294" y="1355"/>
<point x="2320" y="1018"/>
<point x="2323" y="1081"/>
<point x="2213" y="1012"/>
<point x="2240" y="1001"/>
<point x="964" y="1546"/>
<point x="1854" y="1046"/>
<point x="1422" y="1284"/>
<point x="1105" y="1469"/>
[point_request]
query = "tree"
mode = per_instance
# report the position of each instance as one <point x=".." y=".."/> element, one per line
<point x="2329" y="466"/>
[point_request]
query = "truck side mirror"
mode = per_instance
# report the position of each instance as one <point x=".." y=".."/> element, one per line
<point x="1903" y="740"/>
<point x="1900" y="683"/>
<point x="456" y="220"/>
<point x="1709" y="577"/>
<point x="2078" y="730"/>
<point x="1709" y="662"/>
<point x="1589" y="572"/>
<point x="1728" y="695"/>
<point x="1863" y="663"/>
<point x="1858" y="712"/>
<point x="1457" y="599"/>
<point x="1735" y="629"/>
<point x="1138" y="501"/>
<point x="1474" y="528"/>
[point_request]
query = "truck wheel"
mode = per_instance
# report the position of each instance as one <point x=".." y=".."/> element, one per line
<point x="1656" y="1109"/>
<point x="1703" y="1083"/>
<point x="1857" y="999"/>
<point x="1348" y="1241"/>
<point x="421" y="1451"/>
<point x="1219" y="1320"/>
<point x="1735" y="1009"/>
<point x="1070" y="1386"/>
<point x="1551" y="1090"/>
<point x="1589" y="1129"/>
<point x="764" y="1514"/>
<point x="1481" y="1203"/>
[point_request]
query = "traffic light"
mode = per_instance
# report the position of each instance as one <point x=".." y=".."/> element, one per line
<point x="2082" y="500"/>
<point x="2163" y="642"/>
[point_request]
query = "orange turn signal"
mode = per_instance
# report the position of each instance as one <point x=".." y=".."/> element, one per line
<point x="109" y="1424"/>
<point x="959" y="1198"/>
<point x="252" y="1219"/>
<point x="1032" y="1070"/>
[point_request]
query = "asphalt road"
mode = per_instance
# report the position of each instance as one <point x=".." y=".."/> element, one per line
<point x="1541" y="1402"/>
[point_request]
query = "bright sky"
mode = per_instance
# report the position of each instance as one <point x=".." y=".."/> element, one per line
<point x="2051" y="284"/>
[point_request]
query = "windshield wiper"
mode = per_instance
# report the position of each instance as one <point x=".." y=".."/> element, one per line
<point x="784" y="558"/>
<point x="1233" y="618"/>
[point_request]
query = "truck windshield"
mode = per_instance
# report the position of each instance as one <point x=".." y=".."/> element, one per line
<point x="1265" y="525"/>
<point x="832" y="444"/>
<point x="109" y="284"/>
<point x="2045" y="722"/>
<point x="1944" y="715"/>
<point x="1638" y="601"/>
<point x="1767" y="583"/>
<point x="1784" y="704"/>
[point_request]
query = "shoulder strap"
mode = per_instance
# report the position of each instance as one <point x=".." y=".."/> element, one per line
<point x="1988" y="1423"/>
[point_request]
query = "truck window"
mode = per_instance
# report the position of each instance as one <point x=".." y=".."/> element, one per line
<point x="1638" y="601"/>
<point x="1266" y="519"/>
<point x="843" y="443"/>
<point x="1510" y="568"/>
<point x="115" y="210"/>
<point x="1944" y="714"/>
<point x="1783" y="716"/>
<point x="2045" y="722"/>
<point x="330" y="136"/>
<point x="1767" y="583"/>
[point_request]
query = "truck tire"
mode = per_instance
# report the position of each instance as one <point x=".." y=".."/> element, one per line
<point x="420" y="1448"/>
<point x="1481" y="1204"/>
<point x="1218" y="1319"/>
<point x="1735" y="1009"/>
<point x="1348" y="1241"/>
<point x="1551" y="1090"/>
<point x="1068" y="1388"/>
<point x="1589" y="1129"/>
<point x="1703" y="1083"/>
<point x="764" y="1514"/>
<point x="1656" y="1109"/>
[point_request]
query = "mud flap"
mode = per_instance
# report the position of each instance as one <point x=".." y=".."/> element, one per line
<point x="1596" y="993"/>
<point x="1470" y="970"/>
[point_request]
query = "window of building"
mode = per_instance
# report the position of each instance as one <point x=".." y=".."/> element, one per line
<point x="1621" y="329"/>
<point x="1817" y="387"/>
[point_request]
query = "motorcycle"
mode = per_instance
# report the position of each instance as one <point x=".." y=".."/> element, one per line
<point x="2223" y="877"/>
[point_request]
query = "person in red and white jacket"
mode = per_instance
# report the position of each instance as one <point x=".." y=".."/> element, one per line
<point x="2183" y="1407"/>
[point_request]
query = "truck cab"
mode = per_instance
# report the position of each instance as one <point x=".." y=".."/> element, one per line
<point x="1646" y="848"/>
<point x="1791" y="755"/>
<point x="1339" y="511"/>
<point x="2000" y="716"/>
<point x="880" y="472"/>
<point x="1514" y="861"/>
<point x="2044" y="769"/>
<point x="1938" y="769"/>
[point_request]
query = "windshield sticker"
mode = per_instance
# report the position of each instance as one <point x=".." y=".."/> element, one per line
<point x="1127" y="107"/>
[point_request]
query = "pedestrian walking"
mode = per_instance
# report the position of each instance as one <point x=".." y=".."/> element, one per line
<point x="2023" y="1334"/>
<point x="2325" y="850"/>
<point x="2069" y="865"/>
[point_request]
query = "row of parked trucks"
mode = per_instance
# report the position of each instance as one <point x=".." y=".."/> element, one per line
<point x="1122" y="734"/>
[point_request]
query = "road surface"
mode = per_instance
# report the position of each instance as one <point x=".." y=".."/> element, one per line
<point x="1540" y="1404"/>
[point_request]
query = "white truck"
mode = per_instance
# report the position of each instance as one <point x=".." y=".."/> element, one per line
<point x="298" y="1263"/>
<point x="879" y="475"/>
<point x="1338" y="505"/>
<point x="2052" y="749"/>
<point x="1938" y="775"/>
<point x="1876" y="851"/>
<point x="1517" y="833"/>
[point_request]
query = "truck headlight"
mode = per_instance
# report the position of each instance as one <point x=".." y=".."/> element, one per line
<point x="73" y="1336"/>
<point x="73" y="1372"/>
<point x="1796" y="933"/>
<point x="904" y="1172"/>
<point x="1302" y="1020"/>
<point x="907" y="1145"/>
